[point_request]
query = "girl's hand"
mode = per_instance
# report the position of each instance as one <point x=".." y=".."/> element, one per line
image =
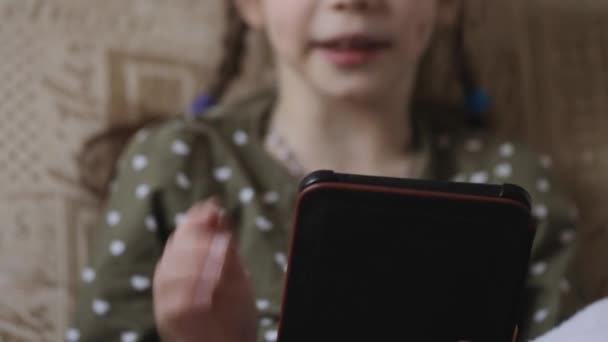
<point x="201" y="291"/>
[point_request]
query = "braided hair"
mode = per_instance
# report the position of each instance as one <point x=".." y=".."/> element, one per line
<point x="459" y="92"/>
<point x="477" y="100"/>
<point x="235" y="48"/>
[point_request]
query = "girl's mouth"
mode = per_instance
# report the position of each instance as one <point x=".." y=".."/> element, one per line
<point x="352" y="50"/>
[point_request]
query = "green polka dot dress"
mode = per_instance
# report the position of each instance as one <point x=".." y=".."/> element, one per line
<point x="169" y="167"/>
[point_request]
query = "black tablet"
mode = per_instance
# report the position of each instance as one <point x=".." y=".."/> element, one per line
<point x="382" y="259"/>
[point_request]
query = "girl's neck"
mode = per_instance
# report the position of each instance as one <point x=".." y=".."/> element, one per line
<point x="345" y="135"/>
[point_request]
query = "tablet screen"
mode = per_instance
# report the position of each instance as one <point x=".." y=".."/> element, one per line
<point x="385" y="266"/>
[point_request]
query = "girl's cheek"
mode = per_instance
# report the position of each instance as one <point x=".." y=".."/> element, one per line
<point x="287" y="24"/>
<point x="286" y="40"/>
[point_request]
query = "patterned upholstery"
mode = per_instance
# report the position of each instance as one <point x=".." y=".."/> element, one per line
<point x="70" y="67"/>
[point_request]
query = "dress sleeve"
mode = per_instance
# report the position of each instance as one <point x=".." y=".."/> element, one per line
<point x="153" y="190"/>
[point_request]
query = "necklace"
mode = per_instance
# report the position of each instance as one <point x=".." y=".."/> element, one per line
<point x="277" y="146"/>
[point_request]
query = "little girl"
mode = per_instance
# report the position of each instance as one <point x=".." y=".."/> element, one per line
<point x="227" y="179"/>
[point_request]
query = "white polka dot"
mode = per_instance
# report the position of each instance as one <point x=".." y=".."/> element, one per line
<point x="117" y="247"/>
<point x="507" y="150"/>
<point x="263" y="224"/>
<point x="141" y="135"/>
<point x="182" y="181"/>
<point x="180" y="219"/>
<point x="281" y="259"/>
<point x="473" y="145"/>
<point x="142" y="191"/>
<point x="128" y="336"/>
<point x="246" y="195"/>
<point x="266" y="322"/>
<point x="101" y="307"/>
<point x="240" y="138"/>
<point x="223" y="174"/>
<point x="504" y="170"/>
<point x="546" y="161"/>
<point x="480" y="177"/>
<point x="113" y="218"/>
<point x="180" y="148"/>
<point x="151" y="224"/>
<point x="271" y="335"/>
<point x="543" y="185"/>
<point x="444" y="141"/>
<point x="539" y="268"/>
<point x="567" y="236"/>
<point x="72" y="335"/>
<point x="139" y="162"/>
<point x="459" y="178"/>
<point x="88" y="275"/>
<point x="140" y="283"/>
<point x="541" y="315"/>
<point x="541" y="211"/>
<point x="262" y="304"/>
<point x="271" y="197"/>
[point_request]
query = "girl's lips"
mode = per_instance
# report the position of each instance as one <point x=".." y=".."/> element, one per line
<point x="350" y="58"/>
<point x="352" y="50"/>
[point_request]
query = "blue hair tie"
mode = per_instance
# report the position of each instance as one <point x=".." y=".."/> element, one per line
<point x="478" y="101"/>
<point x="200" y="104"/>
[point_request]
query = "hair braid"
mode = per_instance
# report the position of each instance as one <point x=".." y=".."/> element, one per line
<point x="476" y="99"/>
<point x="235" y="48"/>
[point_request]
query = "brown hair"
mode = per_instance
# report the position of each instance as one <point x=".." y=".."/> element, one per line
<point x="99" y="155"/>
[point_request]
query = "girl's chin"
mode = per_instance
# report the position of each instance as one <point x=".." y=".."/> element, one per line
<point x="351" y="90"/>
<point x="361" y="84"/>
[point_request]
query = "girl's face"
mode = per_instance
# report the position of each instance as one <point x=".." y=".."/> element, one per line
<point x="356" y="49"/>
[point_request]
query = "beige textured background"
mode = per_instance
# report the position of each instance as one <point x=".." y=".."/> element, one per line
<point x="70" y="67"/>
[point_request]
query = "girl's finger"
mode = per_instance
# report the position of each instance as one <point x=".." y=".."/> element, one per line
<point x="213" y="267"/>
<point x="200" y="219"/>
<point x="219" y="263"/>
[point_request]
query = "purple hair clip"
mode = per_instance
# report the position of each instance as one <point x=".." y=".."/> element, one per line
<point x="200" y="104"/>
